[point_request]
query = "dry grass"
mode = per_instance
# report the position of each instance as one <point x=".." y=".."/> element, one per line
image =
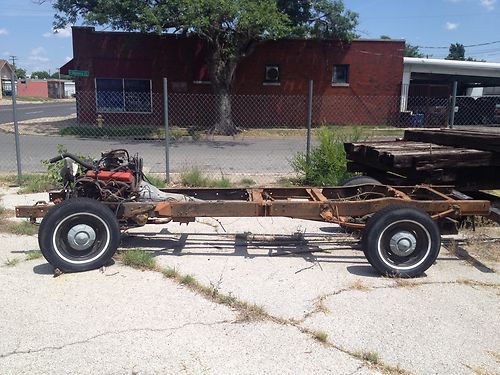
<point x="359" y="285"/>
<point x="11" y="262"/>
<point x="320" y="307"/>
<point x="477" y="370"/>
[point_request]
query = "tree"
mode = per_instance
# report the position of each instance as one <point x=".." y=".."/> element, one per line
<point x="20" y="73"/>
<point x="230" y="28"/>
<point x="40" y="75"/>
<point x="412" y="51"/>
<point x="456" y="52"/>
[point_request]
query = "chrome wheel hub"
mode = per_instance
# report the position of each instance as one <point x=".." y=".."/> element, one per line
<point x="403" y="243"/>
<point x="81" y="237"/>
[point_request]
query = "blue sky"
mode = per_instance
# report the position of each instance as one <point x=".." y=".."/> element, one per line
<point x="26" y="28"/>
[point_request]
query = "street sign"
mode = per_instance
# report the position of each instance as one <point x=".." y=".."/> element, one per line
<point x="78" y="73"/>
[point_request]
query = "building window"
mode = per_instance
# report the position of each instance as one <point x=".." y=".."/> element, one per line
<point x="340" y="75"/>
<point x="272" y="74"/>
<point x="123" y="95"/>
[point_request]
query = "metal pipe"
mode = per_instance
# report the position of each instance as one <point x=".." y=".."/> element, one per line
<point x="167" y="135"/>
<point x="16" y="128"/>
<point x="453" y="104"/>
<point x="309" y="120"/>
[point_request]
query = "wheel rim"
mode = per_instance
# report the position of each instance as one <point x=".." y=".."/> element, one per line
<point x="81" y="238"/>
<point x="404" y="245"/>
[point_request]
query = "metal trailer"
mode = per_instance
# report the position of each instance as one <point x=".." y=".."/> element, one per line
<point x="400" y="226"/>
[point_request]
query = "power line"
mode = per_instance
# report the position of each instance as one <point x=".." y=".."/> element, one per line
<point x="469" y="46"/>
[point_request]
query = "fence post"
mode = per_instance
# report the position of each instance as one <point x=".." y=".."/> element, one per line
<point x="16" y="128"/>
<point x="167" y="136"/>
<point x="453" y="104"/>
<point x="309" y="119"/>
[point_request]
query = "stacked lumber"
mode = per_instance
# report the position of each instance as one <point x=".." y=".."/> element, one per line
<point x="487" y="141"/>
<point x="432" y="156"/>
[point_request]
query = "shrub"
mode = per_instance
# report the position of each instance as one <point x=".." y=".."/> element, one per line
<point x="328" y="164"/>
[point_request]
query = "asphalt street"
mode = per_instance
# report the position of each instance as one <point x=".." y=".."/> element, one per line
<point x="29" y="111"/>
<point x="247" y="155"/>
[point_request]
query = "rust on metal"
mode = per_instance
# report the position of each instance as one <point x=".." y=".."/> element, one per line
<point x="346" y="206"/>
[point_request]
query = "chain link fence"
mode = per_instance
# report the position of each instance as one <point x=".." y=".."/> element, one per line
<point x="241" y="137"/>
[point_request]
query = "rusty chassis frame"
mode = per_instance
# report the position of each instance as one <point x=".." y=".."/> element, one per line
<point x="345" y="206"/>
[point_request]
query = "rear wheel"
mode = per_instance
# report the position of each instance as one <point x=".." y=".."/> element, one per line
<point x="79" y="235"/>
<point x="401" y="241"/>
<point x="360" y="180"/>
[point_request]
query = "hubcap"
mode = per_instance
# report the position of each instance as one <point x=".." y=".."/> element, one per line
<point x="81" y="237"/>
<point x="403" y="243"/>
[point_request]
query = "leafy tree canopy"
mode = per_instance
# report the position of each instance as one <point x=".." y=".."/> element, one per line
<point x="412" y="51"/>
<point x="40" y="75"/>
<point x="20" y="73"/>
<point x="456" y="52"/>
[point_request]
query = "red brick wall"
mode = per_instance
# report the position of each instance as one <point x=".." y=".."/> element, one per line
<point x="376" y="69"/>
<point x="32" y="88"/>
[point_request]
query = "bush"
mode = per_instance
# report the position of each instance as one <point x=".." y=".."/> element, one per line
<point x="328" y="163"/>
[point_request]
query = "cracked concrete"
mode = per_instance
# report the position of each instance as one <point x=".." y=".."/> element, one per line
<point x="123" y="320"/>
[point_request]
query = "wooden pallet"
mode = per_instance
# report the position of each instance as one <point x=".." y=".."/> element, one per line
<point x="450" y="158"/>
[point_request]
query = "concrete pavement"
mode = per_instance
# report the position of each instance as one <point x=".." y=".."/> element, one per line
<point x="120" y="320"/>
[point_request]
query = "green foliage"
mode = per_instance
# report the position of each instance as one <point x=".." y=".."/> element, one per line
<point x="34" y="254"/>
<point x="328" y="164"/>
<point x="156" y="181"/>
<point x="20" y="73"/>
<point x="247" y="181"/>
<point x="95" y="132"/>
<point x="40" y="75"/>
<point x="412" y="51"/>
<point x="36" y="183"/>
<point x="456" y="52"/>
<point x="196" y="178"/>
<point x="22" y="228"/>
<point x="11" y="262"/>
<point x="321" y="336"/>
<point x="137" y="258"/>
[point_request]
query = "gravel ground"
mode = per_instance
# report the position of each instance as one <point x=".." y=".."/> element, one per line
<point x="121" y="320"/>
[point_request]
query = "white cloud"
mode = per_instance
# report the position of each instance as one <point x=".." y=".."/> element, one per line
<point x="58" y="33"/>
<point x="451" y="26"/>
<point x="39" y="55"/>
<point x="3" y="31"/>
<point x="488" y="4"/>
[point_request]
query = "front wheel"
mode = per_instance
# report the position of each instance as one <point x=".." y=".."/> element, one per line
<point x="401" y="241"/>
<point x="79" y="235"/>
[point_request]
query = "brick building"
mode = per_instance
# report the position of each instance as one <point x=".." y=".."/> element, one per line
<point x="354" y="83"/>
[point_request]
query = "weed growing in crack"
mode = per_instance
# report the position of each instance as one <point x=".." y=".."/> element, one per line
<point x="321" y="336"/>
<point x="371" y="357"/>
<point x="359" y="285"/>
<point x="170" y="273"/>
<point x="34" y="254"/>
<point x="11" y="262"/>
<point x="137" y="258"/>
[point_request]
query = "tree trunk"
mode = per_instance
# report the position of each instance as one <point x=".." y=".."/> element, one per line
<point x="221" y="72"/>
<point x="224" y="124"/>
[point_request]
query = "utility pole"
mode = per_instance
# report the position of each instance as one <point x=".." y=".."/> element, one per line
<point x="13" y="58"/>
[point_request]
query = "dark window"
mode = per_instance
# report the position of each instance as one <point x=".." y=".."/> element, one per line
<point x="272" y="73"/>
<point x="123" y="95"/>
<point x="340" y="74"/>
<point x="109" y="95"/>
<point x="137" y="95"/>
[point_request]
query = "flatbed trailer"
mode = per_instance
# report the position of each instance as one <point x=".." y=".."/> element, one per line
<point x="400" y="226"/>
